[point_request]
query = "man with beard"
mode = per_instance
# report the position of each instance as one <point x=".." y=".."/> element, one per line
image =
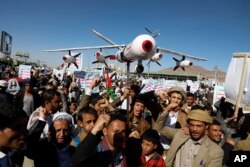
<point x="215" y="132"/>
<point x="51" y="103"/>
<point x="193" y="149"/>
<point x="54" y="150"/>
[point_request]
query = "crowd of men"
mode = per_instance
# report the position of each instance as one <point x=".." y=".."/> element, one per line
<point x="47" y="122"/>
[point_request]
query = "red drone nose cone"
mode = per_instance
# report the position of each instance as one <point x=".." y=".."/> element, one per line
<point x="98" y="54"/>
<point x="147" y="45"/>
<point x="160" y="56"/>
<point x="64" y="58"/>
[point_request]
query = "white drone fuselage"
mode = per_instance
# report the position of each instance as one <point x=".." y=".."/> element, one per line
<point x="143" y="47"/>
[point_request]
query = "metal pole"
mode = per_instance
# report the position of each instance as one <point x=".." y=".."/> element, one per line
<point x="128" y="73"/>
<point x="148" y="69"/>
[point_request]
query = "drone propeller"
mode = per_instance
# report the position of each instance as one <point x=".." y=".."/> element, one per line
<point x="150" y="32"/>
<point x="158" y="63"/>
<point x="149" y="62"/>
<point x="153" y="34"/>
<point x="78" y="54"/>
<point x="155" y="61"/>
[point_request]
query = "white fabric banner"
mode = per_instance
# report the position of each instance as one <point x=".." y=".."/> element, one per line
<point x="233" y="78"/>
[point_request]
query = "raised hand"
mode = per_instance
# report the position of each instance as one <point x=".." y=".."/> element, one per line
<point x="102" y="120"/>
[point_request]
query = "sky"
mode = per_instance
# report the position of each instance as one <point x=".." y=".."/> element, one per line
<point x="210" y="29"/>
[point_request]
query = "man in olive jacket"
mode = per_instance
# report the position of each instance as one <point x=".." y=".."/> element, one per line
<point x="192" y="148"/>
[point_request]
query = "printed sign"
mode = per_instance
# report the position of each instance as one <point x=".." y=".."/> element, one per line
<point x="84" y="78"/>
<point x="24" y="71"/>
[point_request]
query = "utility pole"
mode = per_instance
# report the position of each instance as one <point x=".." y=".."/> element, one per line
<point x="39" y="62"/>
<point x="216" y="73"/>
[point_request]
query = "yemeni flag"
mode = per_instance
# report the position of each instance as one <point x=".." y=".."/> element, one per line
<point x="108" y="86"/>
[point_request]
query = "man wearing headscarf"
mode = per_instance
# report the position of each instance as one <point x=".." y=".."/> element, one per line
<point x="54" y="150"/>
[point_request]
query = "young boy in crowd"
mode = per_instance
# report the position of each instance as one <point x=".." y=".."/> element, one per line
<point x="151" y="149"/>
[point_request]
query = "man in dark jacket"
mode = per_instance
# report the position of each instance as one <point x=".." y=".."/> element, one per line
<point x="108" y="151"/>
<point x="13" y="132"/>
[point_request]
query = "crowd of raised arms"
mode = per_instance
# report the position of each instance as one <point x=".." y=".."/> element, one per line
<point x="45" y="122"/>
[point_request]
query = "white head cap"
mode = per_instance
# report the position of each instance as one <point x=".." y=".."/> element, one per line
<point x="3" y="83"/>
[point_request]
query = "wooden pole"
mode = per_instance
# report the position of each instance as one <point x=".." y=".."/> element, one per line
<point x="242" y="81"/>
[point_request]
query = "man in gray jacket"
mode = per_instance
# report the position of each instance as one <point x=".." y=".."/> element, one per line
<point x="193" y="148"/>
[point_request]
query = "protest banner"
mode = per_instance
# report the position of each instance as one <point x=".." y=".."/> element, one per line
<point x="149" y="86"/>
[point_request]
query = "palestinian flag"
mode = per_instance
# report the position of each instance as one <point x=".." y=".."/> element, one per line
<point x="109" y="86"/>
